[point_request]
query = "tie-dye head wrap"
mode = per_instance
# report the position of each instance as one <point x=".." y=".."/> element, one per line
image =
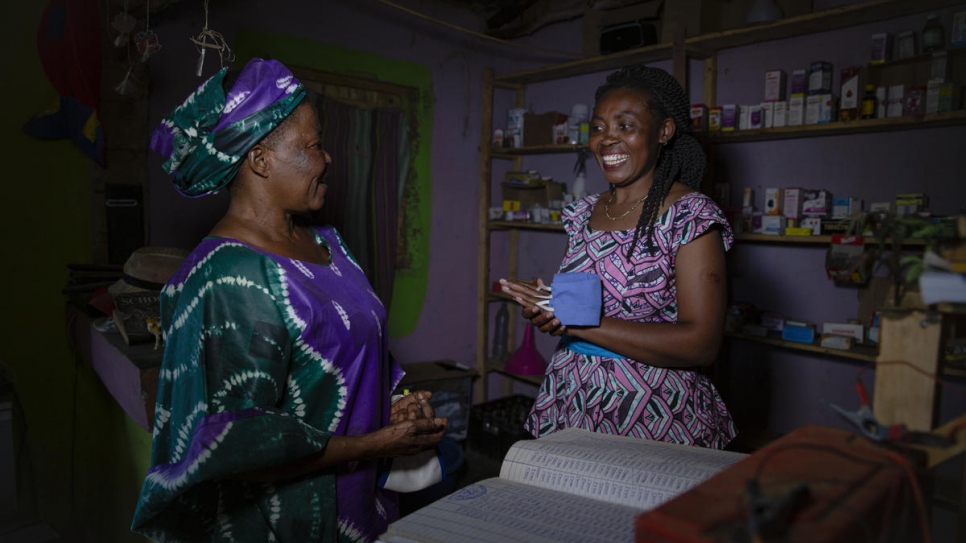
<point x="206" y="137"/>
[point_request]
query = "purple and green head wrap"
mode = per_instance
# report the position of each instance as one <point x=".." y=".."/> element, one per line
<point x="206" y="137"/>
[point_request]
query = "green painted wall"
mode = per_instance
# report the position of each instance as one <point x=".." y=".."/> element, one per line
<point x="84" y="458"/>
<point x="409" y="287"/>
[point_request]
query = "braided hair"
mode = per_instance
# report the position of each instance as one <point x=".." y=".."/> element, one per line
<point x="680" y="159"/>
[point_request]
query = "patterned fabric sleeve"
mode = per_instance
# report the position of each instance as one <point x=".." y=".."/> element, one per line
<point x="694" y="215"/>
<point x="224" y="372"/>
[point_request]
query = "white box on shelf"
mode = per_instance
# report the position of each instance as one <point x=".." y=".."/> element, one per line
<point x="895" y="99"/>
<point x="796" y="110"/>
<point x="780" y="116"/>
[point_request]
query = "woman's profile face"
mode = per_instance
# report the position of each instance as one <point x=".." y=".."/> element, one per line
<point x="301" y="162"/>
<point x="625" y="136"/>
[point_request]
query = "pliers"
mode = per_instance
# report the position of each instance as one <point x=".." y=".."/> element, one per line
<point x="871" y="428"/>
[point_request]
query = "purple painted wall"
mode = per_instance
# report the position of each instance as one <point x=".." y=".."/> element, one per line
<point x="770" y="387"/>
<point x="457" y="62"/>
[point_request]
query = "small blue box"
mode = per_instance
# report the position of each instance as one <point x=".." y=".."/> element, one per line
<point x="798" y="334"/>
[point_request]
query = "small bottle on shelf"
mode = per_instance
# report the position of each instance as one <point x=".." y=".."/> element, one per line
<point x="579" y="190"/>
<point x="933" y="35"/>
<point x="868" y="103"/>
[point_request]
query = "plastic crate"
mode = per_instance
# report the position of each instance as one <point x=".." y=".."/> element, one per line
<point x="497" y="424"/>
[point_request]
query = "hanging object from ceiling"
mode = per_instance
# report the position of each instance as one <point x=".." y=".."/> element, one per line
<point x="217" y="43"/>
<point x="124" y="23"/>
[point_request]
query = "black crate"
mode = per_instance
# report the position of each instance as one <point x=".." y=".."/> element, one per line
<point x="498" y="424"/>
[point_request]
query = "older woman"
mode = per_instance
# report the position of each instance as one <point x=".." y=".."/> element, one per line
<point x="273" y="407"/>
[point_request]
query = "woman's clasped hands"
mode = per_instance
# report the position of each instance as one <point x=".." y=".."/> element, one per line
<point x="413" y="425"/>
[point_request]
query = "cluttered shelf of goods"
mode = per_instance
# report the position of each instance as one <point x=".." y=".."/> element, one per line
<point x="812" y="239"/>
<point x="913" y="80"/>
<point x="703" y="46"/>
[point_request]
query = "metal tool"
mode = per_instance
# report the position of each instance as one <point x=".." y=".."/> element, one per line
<point x="871" y="428"/>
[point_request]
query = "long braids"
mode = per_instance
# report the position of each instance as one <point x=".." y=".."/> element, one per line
<point x="681" y="158"/>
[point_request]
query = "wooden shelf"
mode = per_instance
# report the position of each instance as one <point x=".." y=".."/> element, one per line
<point x="519" y="225"/>
<point x="813" y="23"/>
<point x="499" y="367"/>
<point x="807" y="240"/>
<point x="858" y="352"/>
<point x="864" y="353"/>
<point x="839" y="128"/>
<point x="513" y="152"/>
<point x="641" y="55"/>
<point x="704" y="46"/>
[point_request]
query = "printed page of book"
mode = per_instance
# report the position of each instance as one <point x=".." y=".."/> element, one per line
<point x="615" y="469"/>
<point x="500" y="511"/>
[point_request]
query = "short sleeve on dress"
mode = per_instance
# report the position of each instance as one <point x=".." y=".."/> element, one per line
<point x="694" y="215"/>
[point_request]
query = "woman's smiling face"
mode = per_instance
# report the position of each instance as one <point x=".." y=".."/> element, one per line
<point x="625" y="136"/>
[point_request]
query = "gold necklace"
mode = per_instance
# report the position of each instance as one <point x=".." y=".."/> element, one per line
<point x="607" y="207"/>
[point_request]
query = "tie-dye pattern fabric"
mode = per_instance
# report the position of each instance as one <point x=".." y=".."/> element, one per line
<point x="266" y="357"/>
<point x="620" y="395"/>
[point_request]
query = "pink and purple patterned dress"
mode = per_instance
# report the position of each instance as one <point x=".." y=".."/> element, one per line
<point x="617" y="395"/>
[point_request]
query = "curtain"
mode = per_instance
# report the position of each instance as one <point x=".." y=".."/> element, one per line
<point x="365" y="180"/>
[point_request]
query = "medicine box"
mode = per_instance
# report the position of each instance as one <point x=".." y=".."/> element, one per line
<point x="820" y="78"/>
<point x="743" y="117"/>
<point x="798" y="231"/>
<point x="854" y="331"/>
<point x="849" y="93"/>
<point x="881" y="102"/>
<point x="950" y="97"/>
<point x="957" y="38"/>
<point x="796" y="110"/>
<point x="799" y="334"/>
<point x="541" y="192"/>
<point x="845" y="206"/>
<point x="451" y="385"/>
<point x="699" y="117"/>
<point x="895" y="100"/>
<point x="755" y="117"/>
<point x="835" y="226"/>
<point x="780" y="116"/>
<point x="915" y="101"/>
<point x="768" y="114"/>
<point x="538" y="129"/>
<point x="813" y="107"/>
<point x="816" y="203"/>
<point x="773" y="322"/>
<point x="799" y="82"/>
<point x="836" y="342"/>
<point x="812" y="223"/>
<point x="939" y="65"/>
<point x="729" y="117"/>
<point x="773" y="202"/>
<point x="792" y="203"/>
<point x="905" y="44"/>
<point x="714" y="119"/>
<point x="932" y="96"/>
<point x="774" y="85"/>
<point x="881" y="48"/>
<point x="826" y="108"/>
<point x="773" y="225"/>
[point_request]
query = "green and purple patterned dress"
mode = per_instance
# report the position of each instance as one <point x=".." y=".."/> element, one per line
<point x="266" y="357"/>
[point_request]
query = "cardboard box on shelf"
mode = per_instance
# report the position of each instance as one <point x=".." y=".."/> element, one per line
<point x="541" y="192"/>
<point x="451" y="385"/>
<point x="538" y="129"/>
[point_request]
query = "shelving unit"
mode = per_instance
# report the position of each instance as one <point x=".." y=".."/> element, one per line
<point x="699" y="47"/>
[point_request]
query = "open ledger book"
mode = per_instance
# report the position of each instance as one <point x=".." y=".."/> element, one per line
<point x="573" y="485"/>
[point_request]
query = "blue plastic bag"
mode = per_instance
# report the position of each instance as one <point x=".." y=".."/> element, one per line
<point x="576" y="298"/>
